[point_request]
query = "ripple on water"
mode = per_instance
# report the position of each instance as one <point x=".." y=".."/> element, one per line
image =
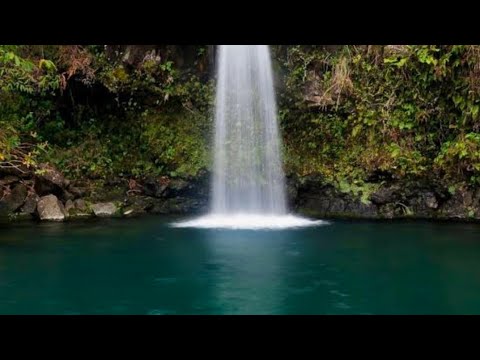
<point x="342" y="305"/>
<point x="336" y="292"/>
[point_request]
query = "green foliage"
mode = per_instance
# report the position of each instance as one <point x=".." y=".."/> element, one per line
<point x="357" y="188"/>
<point x="28" y="76"/>
<point x="158" y="124"/>
<point x="172" y="145"/>
<point x="471" y="213"/>
<point x="461" y="157"/>
<point x="152" y="77"/>
<point x="176" y="145"/>
<point x="24" y="82"/>
<point x="353" y="112"/>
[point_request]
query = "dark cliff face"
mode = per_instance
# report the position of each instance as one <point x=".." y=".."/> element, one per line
<point x="417" y="200"/>
<point x="310" y="195"/>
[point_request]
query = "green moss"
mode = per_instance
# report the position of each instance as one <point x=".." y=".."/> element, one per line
<point x="177" y="144"/>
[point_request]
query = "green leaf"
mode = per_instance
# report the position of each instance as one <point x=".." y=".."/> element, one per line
<point x="390" y="60"/>
<point x="402" y="62"/>
<point x="457" y="99"/>
<point x="475" y="109"/>
<point x="356" y="130"/>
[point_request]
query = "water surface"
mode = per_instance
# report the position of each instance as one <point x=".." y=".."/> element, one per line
<point x="145" y="266"/>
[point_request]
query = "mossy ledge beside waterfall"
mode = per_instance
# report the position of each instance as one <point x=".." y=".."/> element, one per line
<point x="248" y="187"/>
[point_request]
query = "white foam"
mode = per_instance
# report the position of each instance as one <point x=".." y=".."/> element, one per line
<point x="249" y="222"/>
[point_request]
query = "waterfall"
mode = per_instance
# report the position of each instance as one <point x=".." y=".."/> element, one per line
<point x="248" y="175"/>
<point x="248" y="186"/>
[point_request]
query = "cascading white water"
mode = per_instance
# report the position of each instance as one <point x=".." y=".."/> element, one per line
<point x="248" y="175"/>
<point x="248" y="189"/>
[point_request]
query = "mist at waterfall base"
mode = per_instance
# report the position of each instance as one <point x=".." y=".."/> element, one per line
<point x="248" y="187"/>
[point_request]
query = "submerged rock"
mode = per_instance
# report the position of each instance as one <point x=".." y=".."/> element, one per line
<point x="50" y="208"/>
<point x="107" y="209"/>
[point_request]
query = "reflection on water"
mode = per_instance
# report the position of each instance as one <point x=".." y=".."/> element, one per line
<point x="143" y="266"/>
<point x="249" y="278"/>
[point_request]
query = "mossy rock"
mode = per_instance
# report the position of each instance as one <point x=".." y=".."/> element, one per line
<point x="107" y="209"/>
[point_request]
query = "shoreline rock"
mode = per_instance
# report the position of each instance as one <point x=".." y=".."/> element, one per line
<point x="309" y="195"/>
<point x="106" y="209"/>
<point x="51" y="209"/>
<point x="14" y="199"/>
